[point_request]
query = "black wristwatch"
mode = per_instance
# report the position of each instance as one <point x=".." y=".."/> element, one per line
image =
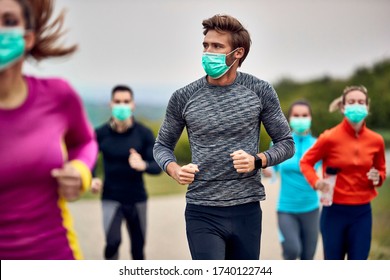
<point x="258" y="162"/>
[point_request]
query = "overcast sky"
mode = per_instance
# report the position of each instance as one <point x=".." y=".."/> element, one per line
<point x="157" y="44"/>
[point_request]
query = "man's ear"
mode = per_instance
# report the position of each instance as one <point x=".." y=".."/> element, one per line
<point x="239" y="53"/>
<point x="132" y="106"/>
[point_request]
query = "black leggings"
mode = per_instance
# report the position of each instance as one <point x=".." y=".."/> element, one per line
<point x="135" y="217"/>
<point x="217" y="233"/>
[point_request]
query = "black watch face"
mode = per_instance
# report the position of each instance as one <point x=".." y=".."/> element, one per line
<point x="258" y="163"/>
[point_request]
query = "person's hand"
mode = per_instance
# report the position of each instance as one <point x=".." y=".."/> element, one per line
<point x="69" y="181"/>
<point x="322" y="185"/>
<point x="96" y="185"/>
<point x="185" y="174"/>
<point x="242" y="161"/>
<point x="373" y="175"/>
<point x="136" y="162"/>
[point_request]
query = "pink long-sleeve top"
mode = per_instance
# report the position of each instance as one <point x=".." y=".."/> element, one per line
<point x="47" y="130"/>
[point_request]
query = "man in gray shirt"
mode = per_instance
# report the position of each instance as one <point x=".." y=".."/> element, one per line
<point x="222" y="113"/>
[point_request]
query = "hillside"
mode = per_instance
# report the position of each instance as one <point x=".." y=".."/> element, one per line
<point x="319" y="92"/>
<point x="322" y="91"/>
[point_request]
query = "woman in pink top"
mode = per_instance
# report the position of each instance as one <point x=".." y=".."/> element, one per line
<point x="47" y="145"/>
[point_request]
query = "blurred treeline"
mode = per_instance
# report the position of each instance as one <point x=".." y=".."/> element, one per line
<point x="320" y="93"/>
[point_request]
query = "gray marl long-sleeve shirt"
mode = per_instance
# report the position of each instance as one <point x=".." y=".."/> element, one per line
<point x="219" y="121"/>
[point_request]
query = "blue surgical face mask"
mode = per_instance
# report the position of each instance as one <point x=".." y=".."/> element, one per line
<point x="12" y="46"/>
<point x="214" y="64"/>
<point x="355" y="113"/>
<point x="300" y="124"/>
<point x="121" y="112"/>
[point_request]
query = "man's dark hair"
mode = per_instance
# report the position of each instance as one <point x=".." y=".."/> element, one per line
<point x="240" y="37"/>
<point x="121" y="88"/>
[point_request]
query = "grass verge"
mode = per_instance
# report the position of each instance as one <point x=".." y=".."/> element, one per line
<point x="380" y="246"/>
<point x="156" y="185"/>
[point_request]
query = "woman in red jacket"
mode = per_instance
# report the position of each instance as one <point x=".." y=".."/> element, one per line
<point x="359" y="155"/>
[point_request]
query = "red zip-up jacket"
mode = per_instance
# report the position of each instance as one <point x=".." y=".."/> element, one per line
<point x="354" y="154"/>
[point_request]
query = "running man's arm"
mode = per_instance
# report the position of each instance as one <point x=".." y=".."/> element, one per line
<point x="277" y="127"/>
<point x="170" y="132"/>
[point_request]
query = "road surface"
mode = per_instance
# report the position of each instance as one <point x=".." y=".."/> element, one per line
<point x="166" y="238"/>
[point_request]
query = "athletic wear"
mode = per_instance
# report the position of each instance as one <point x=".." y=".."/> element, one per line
<point x="135" y="217"/>
<point x="354" y="154"/>
<point x="124" y="195"/>
<point x="346" y="224"/>
<point x="121" y="182"/>
<point x="346" y="231"/>
<point x="296" y="195"/>
<point x="219" y="121"/>
<point x="223" y="215"/>
<point x="298" y="205"/>
<point x="217" y="233"/>
<point x="299" y="234"/>
<point x="47" y="130"/>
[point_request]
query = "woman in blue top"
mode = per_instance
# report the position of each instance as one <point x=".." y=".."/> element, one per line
<point x="298" y="204"/>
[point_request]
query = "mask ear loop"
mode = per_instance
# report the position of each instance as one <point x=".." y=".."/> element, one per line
<point x="232" y="51"/>
<point x="232" y="63"/>
<point x="234" y="60"/>
<point x="230" y="54"/>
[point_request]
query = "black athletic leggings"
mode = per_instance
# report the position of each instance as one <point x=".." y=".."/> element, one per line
<point x="217" y="233"/>
<point x="135" y="216"/>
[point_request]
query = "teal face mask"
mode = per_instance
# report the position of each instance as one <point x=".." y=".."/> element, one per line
<point x="121" y="112"/>
<point x="12" y="46"/>
<point x="300" y="125"/>
<point x="214" y="64"/>
<point x="355" y="113"/>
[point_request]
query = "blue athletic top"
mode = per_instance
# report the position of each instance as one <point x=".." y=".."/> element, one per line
<point x="296" y="195"/>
